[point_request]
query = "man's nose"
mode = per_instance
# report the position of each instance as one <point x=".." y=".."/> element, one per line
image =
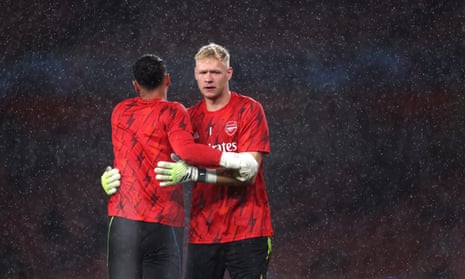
<point x="208" y="78"/>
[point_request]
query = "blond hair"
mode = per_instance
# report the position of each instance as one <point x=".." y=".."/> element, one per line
<point x="215" y="51"/>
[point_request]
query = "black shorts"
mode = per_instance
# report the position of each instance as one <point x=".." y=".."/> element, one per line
<point x="143" y="250"/>
<point x="243" y="259"/>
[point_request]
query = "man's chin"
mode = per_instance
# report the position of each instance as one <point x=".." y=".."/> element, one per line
<point x="210" y="95"/>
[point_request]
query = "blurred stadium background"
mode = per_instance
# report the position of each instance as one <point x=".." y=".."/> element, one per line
<point x="364" y="101"/>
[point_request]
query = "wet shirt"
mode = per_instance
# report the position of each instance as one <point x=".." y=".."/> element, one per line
<point x="222" y="213"/>
<point x="140" y="137"/>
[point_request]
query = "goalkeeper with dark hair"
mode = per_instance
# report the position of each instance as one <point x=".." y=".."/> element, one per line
<point x="146" y="220"/>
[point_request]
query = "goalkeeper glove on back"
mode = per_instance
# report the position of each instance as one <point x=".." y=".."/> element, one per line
<point x="110" y="180"/>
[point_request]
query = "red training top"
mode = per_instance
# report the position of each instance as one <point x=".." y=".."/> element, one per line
<point x="222" y="214"/>
<point x="143" y="133"/>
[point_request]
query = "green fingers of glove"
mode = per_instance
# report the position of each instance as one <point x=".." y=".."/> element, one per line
<point x="172" y="173"/>
<point x="110" y="180"/>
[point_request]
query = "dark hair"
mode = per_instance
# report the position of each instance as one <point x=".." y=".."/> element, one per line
<point x="149" y="71"/>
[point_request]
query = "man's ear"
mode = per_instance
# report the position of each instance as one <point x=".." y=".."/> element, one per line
<point x="167" y="80"/>
<point x="136" y="86"/>
<point x="229" y="71"/>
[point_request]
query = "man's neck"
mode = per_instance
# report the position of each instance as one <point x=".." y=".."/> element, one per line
<point x="214" y="104"/>
<point x="150" y="95"/>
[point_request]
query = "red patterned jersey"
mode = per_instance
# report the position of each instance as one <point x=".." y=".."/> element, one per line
<point x="222" y="213"/>
<point x="143" y="133"/>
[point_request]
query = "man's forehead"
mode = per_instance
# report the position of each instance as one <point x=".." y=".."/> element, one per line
<point x="210" y="63"/>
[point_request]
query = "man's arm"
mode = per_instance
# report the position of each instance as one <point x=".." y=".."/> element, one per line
<point x="172" y="173"/>
<point x="228" y="176"/>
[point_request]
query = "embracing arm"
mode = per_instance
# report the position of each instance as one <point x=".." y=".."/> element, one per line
<point x="228" y="176"/>
<point x="201" y="154"/>
<point x="172" y="173"/>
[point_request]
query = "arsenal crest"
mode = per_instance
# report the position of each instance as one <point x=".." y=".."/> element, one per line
<point x="230" y="127"/>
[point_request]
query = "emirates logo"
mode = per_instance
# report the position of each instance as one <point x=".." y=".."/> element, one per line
<point x="230" y="127"/>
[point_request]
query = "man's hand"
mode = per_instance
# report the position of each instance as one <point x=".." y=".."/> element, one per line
<point x="234" y="160"/>
<point x="110" y="180"/>
<point x="244" y="162"/>
<point x="172" y="173"/>
<point x="248" y="167"/>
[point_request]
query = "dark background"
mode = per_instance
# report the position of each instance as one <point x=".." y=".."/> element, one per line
<point x="364" y="101"/>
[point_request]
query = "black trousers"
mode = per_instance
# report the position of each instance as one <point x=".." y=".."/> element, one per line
<point x="244" y="259"/>
<point x="143" y="250"/>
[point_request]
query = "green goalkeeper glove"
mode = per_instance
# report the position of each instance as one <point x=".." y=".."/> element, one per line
<point x="177" y="172"/>
<point x="110" y="180"/>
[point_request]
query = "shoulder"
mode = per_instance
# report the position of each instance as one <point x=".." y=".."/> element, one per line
<point x="196" y="107"/>
<point x="245" y="100"/>
<point x="174" y="110"/>
<point x="174" y="105"/>
<point x="124" y="103"/>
